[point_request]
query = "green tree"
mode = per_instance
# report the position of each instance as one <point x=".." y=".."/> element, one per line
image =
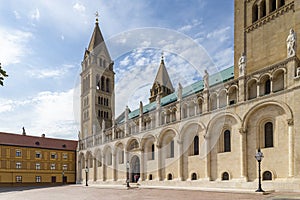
<point x="2" y="75"/>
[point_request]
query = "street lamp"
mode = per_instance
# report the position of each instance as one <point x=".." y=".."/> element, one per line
<point x="259" y="156"/>
<point x="63" y="175"/>
<point x="86" y="176"/>
<point x="127" y="180"/>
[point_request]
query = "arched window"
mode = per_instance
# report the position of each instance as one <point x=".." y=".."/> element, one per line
<point x="150" y="177"/>
<point x="109" y="158"/>
<point x="255" y="13"/>
<point x="170" y="177"/>
<point x="278" y="81"/>
<point x="194" y="176"/>
<point x="272" y="5"/>
<point x="121" y="156"/>
<point x="227" y="143"/>
<point x="196" y="145"/>
<point x="184" y="111"/>
<point x="252" y="89"/>
<point x="152" y="152"/>
<point x="267" y="86"/>
<point x="267" y="176"/>
<point x="213" y="102"/>
<point x="99" y="100"/>
<point x="225" y="176"/>
<point x="107" y="85"/>
<point x="268" y="135"/>
<point x="172" y="149"/>
<point x="263" y="10"/>
<point x="199" y="106"/>
<point x="281" y="3"/>
<point x="102" y="83"/>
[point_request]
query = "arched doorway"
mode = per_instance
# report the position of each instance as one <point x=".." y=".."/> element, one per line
<point x="135" y="169"/>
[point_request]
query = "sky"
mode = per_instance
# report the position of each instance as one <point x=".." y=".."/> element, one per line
<point x="42" y="44"/>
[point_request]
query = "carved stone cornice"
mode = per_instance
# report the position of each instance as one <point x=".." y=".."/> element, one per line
<point x="284" y="9"/>
<point x="270" y="69"/>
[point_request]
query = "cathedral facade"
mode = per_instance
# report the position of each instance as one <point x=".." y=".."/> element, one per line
<point x="206" y="134"/>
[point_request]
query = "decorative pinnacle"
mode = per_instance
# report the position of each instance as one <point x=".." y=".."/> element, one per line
<point x="162" y="55"/>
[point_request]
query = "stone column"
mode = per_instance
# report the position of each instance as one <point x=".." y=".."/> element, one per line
<point x="271" y="85"/>
<point x="180" y="160"/>
<point x="291" y="147"/>
<point x="103" y="168"/>
<point x="95" y="169"/>
<point x="126" y="132"/>
<point x="142" y="174"/>
<point x="257" y="89"/>
<point x="207" y="158"/>
<point x="241" y="92"/>
<point x="243" y="147"/>
<point x="205" y="102"/>
<point x="114" y="165"/>
<point x="158" y="156"/>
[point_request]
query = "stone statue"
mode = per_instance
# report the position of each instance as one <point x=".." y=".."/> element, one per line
<point x="242" y="64"/>
<point x="205" y="79"/>
<point x="291" y="44"/>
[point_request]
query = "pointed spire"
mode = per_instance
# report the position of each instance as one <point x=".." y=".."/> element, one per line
<point x="97" y="37"/>
<point x="162" y="76"/>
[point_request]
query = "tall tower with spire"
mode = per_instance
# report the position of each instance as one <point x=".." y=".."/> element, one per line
<point x="97" y="86"/>
<point x="162" y="85"/>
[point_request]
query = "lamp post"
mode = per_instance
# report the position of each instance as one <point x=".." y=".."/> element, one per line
<point x="63" y="175"/>
<point x="127" y="179"/>
<point x="86" y="176"/>
<point x="259" y="156"/>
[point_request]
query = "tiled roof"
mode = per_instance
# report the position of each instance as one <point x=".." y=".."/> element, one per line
<point x="194" y="88"/>
<point x="38" y="142"/>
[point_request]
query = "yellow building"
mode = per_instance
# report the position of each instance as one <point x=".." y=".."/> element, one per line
<point x="36" y="160"/>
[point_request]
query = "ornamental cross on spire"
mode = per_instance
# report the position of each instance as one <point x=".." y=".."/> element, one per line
<point x="162" y="55"/>
<point x="96" y="15"/>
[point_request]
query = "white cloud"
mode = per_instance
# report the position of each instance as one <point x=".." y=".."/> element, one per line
<point x="17" y="14"/>
<point x="47" y="112"/>
<point x="14" y="45"/>
<point x="49" y="72"/>
<point x="220" y="34"/>
<point x="79" y="8"/>
<point x="35" y="15"/>
<point x="194" y="23"/>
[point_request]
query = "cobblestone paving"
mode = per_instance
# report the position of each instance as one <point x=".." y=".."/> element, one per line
<point x="74" y="192"/>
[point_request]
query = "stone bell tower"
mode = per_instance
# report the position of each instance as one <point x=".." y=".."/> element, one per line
<point x="97" y="86"/>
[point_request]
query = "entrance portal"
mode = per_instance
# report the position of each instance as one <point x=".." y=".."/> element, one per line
<point x="135" y="169"/>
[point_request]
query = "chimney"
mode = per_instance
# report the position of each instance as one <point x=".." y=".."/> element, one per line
<point x="24" y="132"/>
<point x="43" y="135"/>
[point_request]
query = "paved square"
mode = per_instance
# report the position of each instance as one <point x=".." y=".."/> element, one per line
<point x="92" y="193"/>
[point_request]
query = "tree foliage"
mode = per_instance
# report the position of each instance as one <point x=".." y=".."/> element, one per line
<point x="2" y="75"/>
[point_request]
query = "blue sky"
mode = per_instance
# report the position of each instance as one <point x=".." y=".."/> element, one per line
<point x="42" y="45"/>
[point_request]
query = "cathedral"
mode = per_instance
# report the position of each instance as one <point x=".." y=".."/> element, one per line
<point x="205" y="135"/>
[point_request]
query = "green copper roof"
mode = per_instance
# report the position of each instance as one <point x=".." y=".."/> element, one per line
<point x="194" y="88"/>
